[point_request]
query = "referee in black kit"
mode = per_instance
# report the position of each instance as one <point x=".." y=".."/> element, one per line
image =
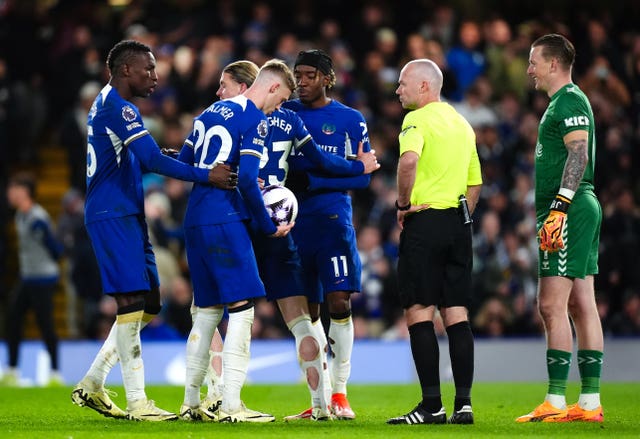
<point x="439" y="183"/>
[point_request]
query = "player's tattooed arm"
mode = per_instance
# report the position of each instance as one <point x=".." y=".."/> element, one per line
<point x="576" y="163"/>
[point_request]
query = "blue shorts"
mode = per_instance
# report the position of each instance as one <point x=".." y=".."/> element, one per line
<point x="124" y="254"/>
<point x="222" y="264"/>
<point x="330" y="258"/>
<point x="279" y="266"/>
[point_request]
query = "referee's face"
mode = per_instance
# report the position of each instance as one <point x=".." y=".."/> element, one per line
<point x="408" y="87"/>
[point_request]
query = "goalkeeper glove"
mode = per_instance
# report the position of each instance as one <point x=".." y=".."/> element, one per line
<point x="552" y="229"/>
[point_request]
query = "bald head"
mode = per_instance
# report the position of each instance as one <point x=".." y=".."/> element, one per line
<point x="420" y="83"/>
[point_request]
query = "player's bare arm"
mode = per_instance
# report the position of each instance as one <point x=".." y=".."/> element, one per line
<point x="577" y="159"/>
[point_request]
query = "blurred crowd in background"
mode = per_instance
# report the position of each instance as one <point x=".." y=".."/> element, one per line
<point x="52" y="65"/>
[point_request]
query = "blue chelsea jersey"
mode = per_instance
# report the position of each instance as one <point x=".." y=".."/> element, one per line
<point x="114" y="175"/>
<point x="286" y="133"/>
<point x="337" y="129"/>
<point x="231" y="131"/>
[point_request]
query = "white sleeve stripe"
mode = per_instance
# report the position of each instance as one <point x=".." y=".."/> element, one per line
<point x="298" y="143"/>
<point x="250" y="152"/>
<point x="135" y="136"/>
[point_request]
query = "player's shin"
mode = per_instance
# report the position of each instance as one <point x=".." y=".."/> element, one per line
<point x="129" y="350"/>
<point x="215" y="377"/>
<point x="204" y="324"/>
<point x="107" y="357"/>
<point x="341" y="336"/>
<point x="235" y="355"/>
<point x="310" y="359"/>
<point x="318" y="331"/>
<point x="104" y="361"/>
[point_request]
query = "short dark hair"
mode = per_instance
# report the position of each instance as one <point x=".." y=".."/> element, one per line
<point x="26" y="180"/>
<point x="123" y="51"/>
<point x="557" y="46"/>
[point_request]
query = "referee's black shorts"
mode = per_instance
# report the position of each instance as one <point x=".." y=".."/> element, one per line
<point x="435" y="259"/>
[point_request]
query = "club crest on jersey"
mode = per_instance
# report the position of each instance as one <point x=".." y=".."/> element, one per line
<point x="538" y="149"/>
<point x="328" y="128"/>
<point x="263" y="130"/>
<point x="128" y="114"/>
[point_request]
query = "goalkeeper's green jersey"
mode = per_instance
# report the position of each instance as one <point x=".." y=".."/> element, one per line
<point x="568" y="110"/>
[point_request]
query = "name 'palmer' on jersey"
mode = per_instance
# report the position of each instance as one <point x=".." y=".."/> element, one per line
<point x="229" y="119"/>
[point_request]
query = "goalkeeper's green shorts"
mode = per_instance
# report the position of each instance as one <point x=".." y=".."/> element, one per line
<point x="579" y="257"/>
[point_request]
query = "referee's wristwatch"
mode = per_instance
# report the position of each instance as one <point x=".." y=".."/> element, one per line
<point x="403" y="208"/>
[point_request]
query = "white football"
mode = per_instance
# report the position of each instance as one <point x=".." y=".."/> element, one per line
<point x="281" y="204"/>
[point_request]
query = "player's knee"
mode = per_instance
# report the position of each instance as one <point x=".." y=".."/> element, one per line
<point x="339" y="302"/>
<point x="574" y="307"/>
<point x="309" y="348"/>
<point x="550" y="310"/>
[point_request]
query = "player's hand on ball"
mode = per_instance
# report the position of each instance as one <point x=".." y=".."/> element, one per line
<point x="223" y="177"/>
<point x="283" y="230"/>
<point x="550" y="233"/>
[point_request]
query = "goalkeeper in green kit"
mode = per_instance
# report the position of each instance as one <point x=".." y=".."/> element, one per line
<point x="568" y="222"/>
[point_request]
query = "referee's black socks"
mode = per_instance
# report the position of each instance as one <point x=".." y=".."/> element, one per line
<point x="461" y="353"/>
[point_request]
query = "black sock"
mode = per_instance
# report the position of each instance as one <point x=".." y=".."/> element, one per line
<point x="461" y="354"/>
<point x="426" y="356"/>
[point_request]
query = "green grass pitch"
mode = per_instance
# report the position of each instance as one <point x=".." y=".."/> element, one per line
<point x="49" y="413"/>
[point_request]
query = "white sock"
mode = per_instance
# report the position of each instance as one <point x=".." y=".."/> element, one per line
<point x="204" y="324"/>
<point x="107" y="357"/>
<point x="558" y="401"/>
<point x="235" y="357"/>
<point x="104" y="361"/>
<point x="300" y="329"/>
<point x="129" y="350"/>
<point x="341" y="333"/>
<point x="318" y="331"/>
<point x="215" y="379"/>
<point x="589" y="401"/>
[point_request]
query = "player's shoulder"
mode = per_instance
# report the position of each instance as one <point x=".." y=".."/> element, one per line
<point x="571" y="95"/>
<point x="570" y="100"/>
<point x="344" y="111"/>
<point x="118" y="107"/>
<point x="284" y="114"/>
<point x="293" y="105"/>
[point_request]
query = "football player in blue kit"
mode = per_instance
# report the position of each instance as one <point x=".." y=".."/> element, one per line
<point x="119" y="150"/>
<point x="288" y="137"/>
<point x="324" y="231"/>
<point x="221" y="259"/>
<point x="278" y="260"/>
